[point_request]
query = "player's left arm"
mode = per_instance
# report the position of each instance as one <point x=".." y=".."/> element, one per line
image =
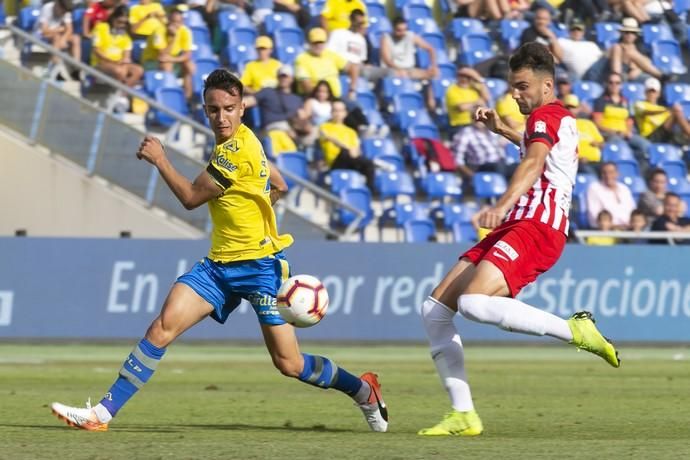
<point x="279" y="187"/>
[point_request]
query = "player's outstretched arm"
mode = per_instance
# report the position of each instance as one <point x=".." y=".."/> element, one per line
<point x="279" y="187"/>
<point x="493" y="121"/>
<point x="190" y="194"/>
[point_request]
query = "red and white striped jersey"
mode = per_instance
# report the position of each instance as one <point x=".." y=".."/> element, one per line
<point x="548" y="201"/>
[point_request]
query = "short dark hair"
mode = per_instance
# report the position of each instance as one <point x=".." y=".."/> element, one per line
<point x="636" y="212"/>
<point x="118" y="12"/>
<point x="225" y="80"/>
<point x="355" y="13"/>
<point x="671" y="195"/>
<point x="399" y="20"/>
<point x="604" y="213"/>
<point x="534" y="56"/>
<point x="653" y="172"/>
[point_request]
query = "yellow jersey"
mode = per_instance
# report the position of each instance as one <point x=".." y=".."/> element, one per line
<point x="507" y="107"/>
<point x="647" y="124"/>
<point x="158" y="40"/>
<point x="343" y="133"/>
<point x="149" y="26"/>
<point x="327" y="67"/>
<point x="456" y="95"/>
<point x="112" y="46"/>
<point x="588" y="133"/>
<point x="337" y="12"/>
<point x="259" y="74"/>
<point x="244" y="224"/>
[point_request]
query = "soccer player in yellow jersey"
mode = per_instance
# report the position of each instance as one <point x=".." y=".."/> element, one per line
<point x="245" y="261"/>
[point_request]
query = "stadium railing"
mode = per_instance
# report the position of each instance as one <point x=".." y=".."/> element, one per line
<point x="40" y="110"/>
<point x="668" y="237"/>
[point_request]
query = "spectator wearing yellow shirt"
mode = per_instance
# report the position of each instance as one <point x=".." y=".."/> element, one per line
<point x="341" y="147"/>
<point x="145" y="18"/>
<point x="464" y="96"/>
<point x="169" y="48"/>
<point x="336" y="13"/>
<point x="509" y="111"/>
<point x="591" y="140"/>
<point x="112" y="49"/>
<point x="318" y="63"/>
<point x="262" y="72"/>
<point x="656" y="122"/>
<point x="605" y="224"/>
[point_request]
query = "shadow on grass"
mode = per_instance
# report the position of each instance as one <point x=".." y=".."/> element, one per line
<point x="180" y="428"/>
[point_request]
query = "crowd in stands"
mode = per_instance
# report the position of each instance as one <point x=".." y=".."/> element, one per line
<point x="349" y="85"/>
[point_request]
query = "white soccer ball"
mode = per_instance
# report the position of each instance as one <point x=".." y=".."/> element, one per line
<point x="302" y="300"/>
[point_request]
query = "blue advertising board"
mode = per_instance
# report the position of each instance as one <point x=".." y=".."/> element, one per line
<point x="102" y="288"/>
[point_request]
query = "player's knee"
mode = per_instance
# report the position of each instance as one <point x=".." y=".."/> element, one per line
<point x="288" y="367"/>
<point x="435" y="311"/>
<point x="159" y="335"/>
<point x="474" y="307"/>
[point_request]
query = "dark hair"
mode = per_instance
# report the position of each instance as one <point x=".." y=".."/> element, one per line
<point x="399" y="20"/>
<point x="604" y="212"/>
<point x="223" y="79"/>
<point x="331" y="97"/>
<point x="355" y="13"/>
<point x="118" y="12"/>
<point x="533" y="56"/>
<point x="671" y="195"/>
<point x="636" y="212"/>
<point x="653" y="172"/>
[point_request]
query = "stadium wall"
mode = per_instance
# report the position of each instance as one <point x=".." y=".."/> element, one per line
<point x="106" y="289"/>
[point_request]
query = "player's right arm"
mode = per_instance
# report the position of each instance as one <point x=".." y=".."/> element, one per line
<point x="493" y="121"/>
<point x="190" y="194"/>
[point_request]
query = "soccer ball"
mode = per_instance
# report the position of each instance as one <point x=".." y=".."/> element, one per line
<point x="302" y="300"/>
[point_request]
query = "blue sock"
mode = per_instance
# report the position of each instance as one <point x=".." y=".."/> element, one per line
<point x="323" y="373"/>
<point x="134" y="373"/>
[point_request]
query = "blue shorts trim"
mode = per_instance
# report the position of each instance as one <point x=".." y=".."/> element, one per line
<point x="224" y="285"/>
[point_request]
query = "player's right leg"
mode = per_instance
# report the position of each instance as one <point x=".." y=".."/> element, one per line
<point x="182" y="309"/>
<point x="447" y="353"/>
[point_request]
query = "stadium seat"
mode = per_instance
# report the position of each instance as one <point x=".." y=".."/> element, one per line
<point x="201" y="51"/>
<point x="442" y="185"/>
<point x="415" y="11"/>
<point x="511" y="31"/>
<point x="379" y="24"/>
<point x="658" y="153"/>
<point x="676" y="92"/>
<point x="681" y="6"/>
<point x="460" y="27"/>
<point x="451" y="213"/>
<point x="374" y="118"/>
<point x="615" y="151"/>
<point x="400" y="213"/>
<point x="424" y="25"/>
<point x="636" y="184"/>
<point x="200" y="35"/>
<point x="685" y="105"/>
<point x="488" y="185"/>
<point x="464" y="232"/>
<point x="425" y="131"/>
<point x="627" y="167"/>
<point x="27" y="18"/>
<point x="366" y="100"/>
<point x="373" y="147"/>
<point x="289" y="42"/>
<point x="297" y="164"/>
<point x="579" y="209"/>
<point x="359" y="198"/>
<point x="375" y="10"/>
<point x="172" y="98"/>
<point x="390" y="162"/>
<point x="339" y="179"/>
<point x="587" y="90"/>
<point x="406" y="108"/>
<point x="362" y="84"/>
<point x="138" y="47"/>
<point x="678" y="185"/>
<point x="437" y="42"/>
<point x="77" y="20"/>
<point x="497" y="87"/>
<point x="582" y="182"/>
<point x="192" y="18"/>
<point x="633" y="92"/>
<point x="667" y="56"/>
<point x="512" y="153"/>
<point x="203" y="68"/>
<point x="390" y="86"/>
<point x="655" y="32"/>
<point x="155" y="79"/>
<point x="560" y="29"/>
<point x="674" y="169"/>
<point x="607" y="33"/>
<point x="392" y="184"/>
<point x="419" y="230"/>
<point x="440" y="85"/>
<point x="475" y="48"/>
<point x="229" y="19"/>
<point x="275" y="21"/>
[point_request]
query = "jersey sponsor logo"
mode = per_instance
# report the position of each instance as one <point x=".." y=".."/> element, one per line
<point x="225" y="163"/>
<point x="500" y="256"/>
<point x="540" y="127"/>
<point x="232" y="146"/>
<point x="507" y="249"/>
<point x="262" y="300"/>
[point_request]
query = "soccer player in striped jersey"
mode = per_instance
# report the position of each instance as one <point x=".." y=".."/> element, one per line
<point x="245" y="261"/>
<point x="530" y="226"/>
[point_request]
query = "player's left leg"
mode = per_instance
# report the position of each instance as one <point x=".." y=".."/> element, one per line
<point x="322" y="372"/>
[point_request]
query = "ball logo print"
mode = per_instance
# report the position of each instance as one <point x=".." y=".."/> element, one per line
<point x="302" y="300"/>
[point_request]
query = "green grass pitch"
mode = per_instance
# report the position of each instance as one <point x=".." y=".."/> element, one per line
<point x="225" y="401"/>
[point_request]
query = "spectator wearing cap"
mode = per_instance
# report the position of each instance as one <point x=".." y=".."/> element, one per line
<point x="336" y="13"/>
<point x="318" y="63"/>
<point x="607" y="193"/>
<point x="169" y="48"/>
<point x="627" y="60"/>
<point x="582" y="58"/>
<point x="98" y="11"/>
<point x="657" y="122"/>
<point x="464" y="96"/>
<point x="591" y="140"/>
<point x="54" y="25"/>
<point x="145" y="18"/>
<point x="399" y="52"/>
<point x="263" y="72"/>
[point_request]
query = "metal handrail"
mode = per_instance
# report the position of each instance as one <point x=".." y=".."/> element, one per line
<point x="350" y="229"/>
<point x="670" y="237"/>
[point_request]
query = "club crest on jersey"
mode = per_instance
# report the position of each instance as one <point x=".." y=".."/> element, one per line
<point x="540" y="127"/>
<point x="231" y="145"/>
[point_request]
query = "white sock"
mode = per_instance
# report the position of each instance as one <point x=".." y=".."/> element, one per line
<point x="447" y="352"/>
<point x="102" y="413"/>
<point x="362" y="395"/>
<point x="513" y="315"/>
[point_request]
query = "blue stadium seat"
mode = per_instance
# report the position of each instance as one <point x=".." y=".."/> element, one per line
<point x="275" y="21"/>
<point x="607" y="33"/>
<point x="362" y="84"/>
<point x="464" y="232"/>
<point x="674" y="169"/>
<point x="77" y="20"/>
<point x="192" y="18"/>
<point x="375" y="10"/>
<point x="406" y="107"/>
<point x="475" y="49"/>
<point x="203" y="50"/>
<point x="172" y="98"/>
<point x="3" y="17"/>
<point x="685" y="105"/>
<point x="359" y="198"/>
<point x="390" y="162"/>
<point x="379" y="24"/>
<point x="289" y="43"/>
<point x="582" y="182"/>
<point x="686" y="199"/>
<point x="655" y="32"/>
<point x="459" y="27"/>
<point x="587" y="90"/>
<point x="390" y="86"/>
<point x="229" y="19"/>
<point x="203" y="68"/>
<point x="373" y="147"/>
<point x="667" y="56"/>
<point x="497" y="87"/>
<point x="512" y="153"/>
<point x="636" y="184"/>
<point x="419" y="230"/>
<point x="138" y="47"/>
<point x="200" y="35"/>
<point x="452" y="213"/>
<point x="340" y="179"/>
<point x="659" y="153"/>
<point x="442" y="185"/>
<point x="633" y="92"/>
<point x="424" y="25"/>
<point x="488" y="185"/>
<point x="374" y="118"/>
<point x="366" y="100"/>
<point x="676" y="92"/>
<point x="511" y="31"/>
<point x="414" y="11"/>
<point x="27" y="18"/>
<point x="296" y="163"/>
<point x="627" y="167"/>
<point x="155" y="79"/>
<point x="681" y="6"/>
<point x="438" y="43"/>
<point x="400" y="3"/>
<point x="426" y="131"/>
<point x="678" y="185"/>
<point x="579" y="209"/>
<point x="617" y="151"/>
<point x="400" y="213"/>
<point x="440" y="85"/>
<point x="392" y="184"/>
<point x="315" y="9"/>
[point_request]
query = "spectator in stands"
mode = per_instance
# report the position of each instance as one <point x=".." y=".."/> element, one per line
<point x="399" y="52"/>
<point x="564" y="89"/>
<point x="169" y="48"/>
<point x="612" y="117"/>
<point x="635" y="9"/>
<point x="351" y="44"/>
<point x="318" y="108"/>
<point x="336" y="13"/>
<point x="98" y="11"/>
<point x="478" y="149"/>
<point x="263" y="72"/>
<point x="112" y="49"/>
<point x="657" y="122"/>
<point x="607" y="193"/>
<point x="318" y="63"/>
<point x="341" y="147"/>
<point x="464" y="96"/>
<point x="627" y="60"/>
<point x="605" y="224"/>
<point x="540" y="31"/>
<point x="586" y="10"/>
<point x="591" y="140"/>
<point x="145" y="18"/>
<point x="54" y="25"/>
<point x="671" y="220"/>
<point x="509" y="111"/>
<point x="482" y="9"/>
<point x="651" y="202"/>
<point x="295" y="7"/>
<point x="583" y="59"/>
<point x="638" y="223"/>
